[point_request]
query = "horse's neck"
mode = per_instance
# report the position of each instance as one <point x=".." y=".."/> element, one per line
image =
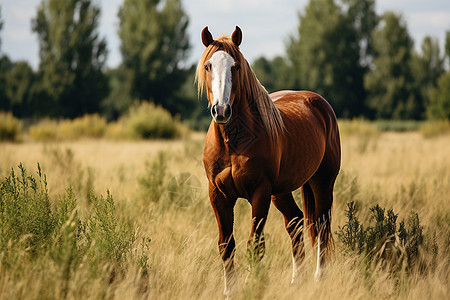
<point x="245" y="125"/>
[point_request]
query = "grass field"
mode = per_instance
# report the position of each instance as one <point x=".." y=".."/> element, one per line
<point x="159" y="238"/>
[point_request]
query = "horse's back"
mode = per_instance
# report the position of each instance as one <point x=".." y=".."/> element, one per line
<point x="311" y="128"/>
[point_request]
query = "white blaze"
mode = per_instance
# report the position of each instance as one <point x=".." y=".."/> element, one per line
<point x="221" y="63"/>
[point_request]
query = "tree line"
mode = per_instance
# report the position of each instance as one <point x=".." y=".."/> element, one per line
<point x="363" y="63"/>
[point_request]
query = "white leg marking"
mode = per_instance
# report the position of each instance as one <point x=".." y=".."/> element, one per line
<point x="229" y="283"/>
<point x="294" y="269"/>
<point x="319" y="267"/>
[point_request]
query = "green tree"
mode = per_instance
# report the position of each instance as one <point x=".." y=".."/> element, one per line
<point x="72" y="57"/>
<point x="427" y="67"/>
<point x="325" y="57"/>
<point x="273" y="74"/>
<point x="19" y="80"/>
<point x="390" y="83"/>
<point x="439" y="105"/>
<point x="154" y="46"/>
<point x="119" y="100"/>
<point x="364" y="18"/>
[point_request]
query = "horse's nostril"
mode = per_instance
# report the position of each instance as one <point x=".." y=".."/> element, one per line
<point x="227" y="112"/>
<point x="214" y="110"/>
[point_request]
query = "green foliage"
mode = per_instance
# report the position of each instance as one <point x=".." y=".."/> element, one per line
<point x="10" y="127"/>
<point x="154" y="41"/>
<point x="390" y="82"/>
<point x="384" y="240"/>
<point x="25" y="211"/>
<point x="31" y="228"/>
<point x="19" y="81"/>
<point x="427" y="68"/>
<point x="438" y="107"/>
<point x="108" y="238"/>
<point x="149" y="121"/>
<point x="72" y="58"/>
<point x="119" y="99"/>
<point x="273" y="74"/>
<point x="325" y="56"/>
<point x="352" y="233"/>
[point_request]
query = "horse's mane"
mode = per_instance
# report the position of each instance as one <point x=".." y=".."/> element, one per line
<point x="248" y="86"/>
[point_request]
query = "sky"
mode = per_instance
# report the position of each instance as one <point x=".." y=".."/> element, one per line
<point x="266" y="24"/>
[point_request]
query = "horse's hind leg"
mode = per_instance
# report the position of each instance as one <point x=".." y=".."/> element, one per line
<point x="293" y="221"/>
<point x="322" y="187"/>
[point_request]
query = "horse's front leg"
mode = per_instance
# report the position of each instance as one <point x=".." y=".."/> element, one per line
<point x="260" y="201"/>
<point x="223" y="209"/>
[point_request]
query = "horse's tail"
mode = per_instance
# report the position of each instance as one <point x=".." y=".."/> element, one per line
<point x="315" y="224"/>
<point x="309" y="207"/>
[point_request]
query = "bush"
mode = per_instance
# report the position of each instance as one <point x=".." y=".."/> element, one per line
<point x="88" y="126"/>
<point x="382" y="241"/>
<point x="25" y="210"/>
<point x="30" y="229"/>
<point x="44" y="130"/>
<point x="10" y="127"/>
<point x="148" y="121"/>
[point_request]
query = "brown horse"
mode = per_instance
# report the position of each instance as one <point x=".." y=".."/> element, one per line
<point x="262" y="147"/>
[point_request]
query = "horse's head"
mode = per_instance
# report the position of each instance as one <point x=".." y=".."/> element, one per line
<point x="218" y="72"/>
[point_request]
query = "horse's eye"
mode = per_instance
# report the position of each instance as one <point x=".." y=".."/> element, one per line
<point x="238" y="67"/>
<point x="206" y="68"/>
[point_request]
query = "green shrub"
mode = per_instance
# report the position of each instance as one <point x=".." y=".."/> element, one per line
<point x="148" y="121"/>
<point x="10" y="127"/>
<point x="384" y="240"/>
<point x="109" y="238"/>
<point x="25" y="210"/>
<point x="31" y="230"/>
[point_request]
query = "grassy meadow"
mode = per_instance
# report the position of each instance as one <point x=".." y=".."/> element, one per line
<point x="132" y="220"/>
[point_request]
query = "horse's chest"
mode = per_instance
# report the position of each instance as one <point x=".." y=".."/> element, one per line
<point x="238" y="176"/>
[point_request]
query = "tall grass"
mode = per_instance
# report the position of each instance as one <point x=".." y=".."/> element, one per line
<point x="150" y="241"/>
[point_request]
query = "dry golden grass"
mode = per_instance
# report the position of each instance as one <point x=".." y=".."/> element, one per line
<point x="400" y="171"/>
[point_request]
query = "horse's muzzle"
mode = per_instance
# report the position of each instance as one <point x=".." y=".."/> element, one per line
<point x="221" y="113"/>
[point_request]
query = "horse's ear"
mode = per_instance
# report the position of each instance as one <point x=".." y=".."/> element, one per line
<point x="236" y="37"/>
<point x="207" y="38"/>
